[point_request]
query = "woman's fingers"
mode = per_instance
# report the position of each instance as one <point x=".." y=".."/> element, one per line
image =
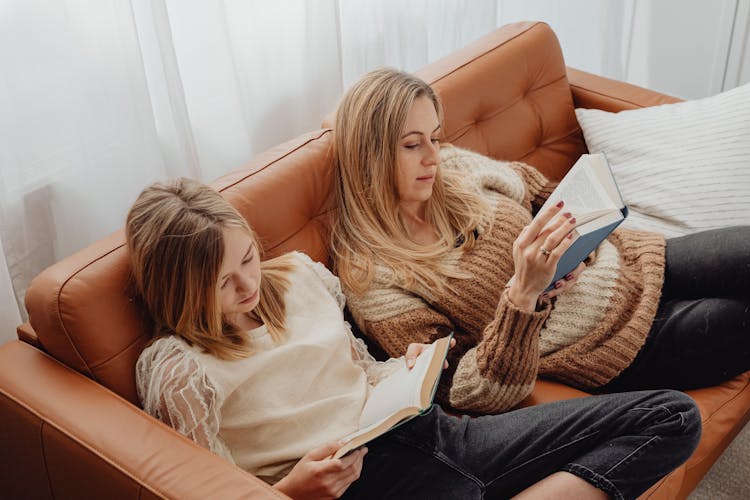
<point x="567" y="282"/>
<point x="532" y="231"/>
<point x="561" y="229"/>
<point x="567" y="238"/>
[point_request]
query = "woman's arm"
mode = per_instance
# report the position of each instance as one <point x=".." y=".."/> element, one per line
<point x="490" y="375"/>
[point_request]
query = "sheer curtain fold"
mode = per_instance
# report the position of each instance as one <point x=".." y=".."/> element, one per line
<point x="100" y="98"/>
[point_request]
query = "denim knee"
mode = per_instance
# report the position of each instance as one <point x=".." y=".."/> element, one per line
<point x="685" y="423"/>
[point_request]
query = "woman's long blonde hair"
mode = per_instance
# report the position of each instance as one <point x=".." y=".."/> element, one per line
<point x="368" y="226"/>
<point x="174" y="234"/>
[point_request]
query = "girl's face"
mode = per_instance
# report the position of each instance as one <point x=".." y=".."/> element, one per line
<point x="239" y="276"/>
<point x="417" y="158"/>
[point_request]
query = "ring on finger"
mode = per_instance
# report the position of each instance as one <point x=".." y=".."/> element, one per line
<point x="544" y="251"/>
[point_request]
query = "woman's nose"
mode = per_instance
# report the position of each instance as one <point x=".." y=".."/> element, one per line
<point x="433" y="153"/>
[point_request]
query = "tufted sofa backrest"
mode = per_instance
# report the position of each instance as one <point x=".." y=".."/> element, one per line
<point x="505" y="95"/>
<point x="81" y="307"/>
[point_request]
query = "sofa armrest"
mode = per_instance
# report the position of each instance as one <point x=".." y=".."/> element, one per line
<point x="66" y="436"/>
<point x="597" y="92"/>
<point x="26" y="333"/>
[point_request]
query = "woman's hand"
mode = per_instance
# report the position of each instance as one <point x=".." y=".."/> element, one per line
<point x="566" y="282"/>
<point x="415" y="350"/>
<point x="536" y="252"/>
<point x="318" y="476"/>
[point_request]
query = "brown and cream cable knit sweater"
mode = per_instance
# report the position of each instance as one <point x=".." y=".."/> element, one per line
<point x="588" y="336"/>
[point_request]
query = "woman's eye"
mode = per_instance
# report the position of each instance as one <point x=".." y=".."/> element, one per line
<point x="223" y="285"/>
<point x="435" y="140"/>
<point x="411" y="146"/>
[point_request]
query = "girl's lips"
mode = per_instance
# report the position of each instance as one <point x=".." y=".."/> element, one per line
<point x="250" y="298"/>
<point x="426" y="178"/>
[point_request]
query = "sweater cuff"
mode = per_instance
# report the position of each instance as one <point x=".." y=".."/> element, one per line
<point x="511" y="341"/>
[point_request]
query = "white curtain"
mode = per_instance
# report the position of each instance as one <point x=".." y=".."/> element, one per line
<point x="98" y="98"/>
<point x="77" y="134"/>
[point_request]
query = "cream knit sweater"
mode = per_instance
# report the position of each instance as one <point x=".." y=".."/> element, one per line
<point x="588" y="336"/>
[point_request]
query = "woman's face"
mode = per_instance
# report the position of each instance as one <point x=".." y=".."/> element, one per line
<point x="417" y="158"/>
<point x="239" y="276"/>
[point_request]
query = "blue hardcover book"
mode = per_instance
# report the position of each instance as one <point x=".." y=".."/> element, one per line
<point x="591" y="194"/>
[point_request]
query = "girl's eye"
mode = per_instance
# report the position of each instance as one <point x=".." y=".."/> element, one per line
<point x="411" y="146"/>
<point x="435" y="140"/>
<point x="224" y="285"/>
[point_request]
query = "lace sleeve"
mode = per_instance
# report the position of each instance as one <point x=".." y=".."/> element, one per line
<point x="329" y="280"/>
<point x="173" y="387"/>
<point x="375" y="370"/>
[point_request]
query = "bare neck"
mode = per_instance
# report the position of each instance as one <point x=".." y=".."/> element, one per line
<point x="419" y="229"/>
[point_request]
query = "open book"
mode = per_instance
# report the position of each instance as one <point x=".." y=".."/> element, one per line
<point x="591" y="195"/>
<point x="399" y="397"/>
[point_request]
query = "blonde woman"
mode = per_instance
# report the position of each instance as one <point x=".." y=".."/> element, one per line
<point x="428" y="237"/>
<point x="238" y="366"/>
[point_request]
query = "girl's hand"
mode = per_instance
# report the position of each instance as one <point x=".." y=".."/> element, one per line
<point x="318" y="476"/>
<point x="564" y="284"/>
<point x="536" y="252"/>
<point x="415" y="350"/>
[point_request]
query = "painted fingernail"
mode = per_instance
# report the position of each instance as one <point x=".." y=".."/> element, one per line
<point x="573" y="220"/>
<point x="558" y="284"/>
<point x="560" y="204"/>
<point x="568" y="276"/>
<point x="570" y="236"/>
<point x="545" y="295"/>
<point x="567" y="215"/>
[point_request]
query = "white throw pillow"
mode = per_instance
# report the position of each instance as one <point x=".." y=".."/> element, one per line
<point x="681" y="167"/>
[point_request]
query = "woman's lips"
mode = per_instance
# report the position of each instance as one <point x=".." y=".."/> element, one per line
<point x="426" y="177"/>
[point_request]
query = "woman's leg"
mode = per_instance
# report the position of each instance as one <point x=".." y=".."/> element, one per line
<point x="701" y="333"/>
<point x="712" y="263"/>
<point x="620" y="443"/>
<point x="561" y="485"/>
<point x="692" y="344"/>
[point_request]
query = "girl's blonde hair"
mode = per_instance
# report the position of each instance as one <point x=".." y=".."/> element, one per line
<point x="174" y="233"/>
<point x="369" y="123"/>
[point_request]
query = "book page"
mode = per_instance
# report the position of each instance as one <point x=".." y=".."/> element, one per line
<point x="583" y="193"/>
<point x="401" y="396"/>
<point x="399" y="390"/>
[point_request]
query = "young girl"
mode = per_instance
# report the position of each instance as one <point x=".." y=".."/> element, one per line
<point x="428" y="238"/>
<point x="254" y="361"/>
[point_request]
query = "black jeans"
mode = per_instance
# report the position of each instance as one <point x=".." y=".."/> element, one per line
<point x="620" y="443"/>
<point x="701" y="334"/>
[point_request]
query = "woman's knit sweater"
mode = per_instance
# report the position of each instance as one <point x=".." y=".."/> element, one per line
<point x="585" y="338"/>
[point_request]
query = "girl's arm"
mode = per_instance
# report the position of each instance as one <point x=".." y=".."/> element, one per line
<point x="174" y="388"/>
<point x="317" y="475"/>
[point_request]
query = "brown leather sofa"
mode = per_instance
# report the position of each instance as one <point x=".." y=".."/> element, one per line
<point x="70" y="424"/>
